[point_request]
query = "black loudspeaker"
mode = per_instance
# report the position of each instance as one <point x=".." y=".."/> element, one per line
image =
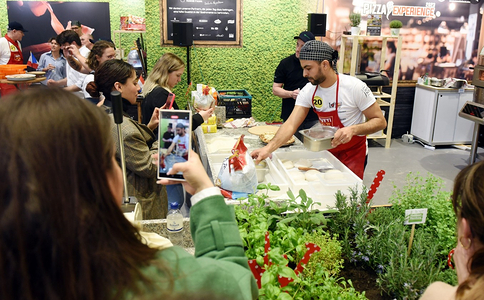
<point x="317" y="24"/>
<point x="182" y="34"/>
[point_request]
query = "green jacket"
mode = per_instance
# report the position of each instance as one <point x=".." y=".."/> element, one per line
<point x="219" y="266"/>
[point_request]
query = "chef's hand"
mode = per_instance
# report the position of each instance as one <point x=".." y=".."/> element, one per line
<point x="206" y="113"/>
<point x="260" y="154"/>
<point x="193" y="172"/>
<point x="342" y="136"/>
<point x="295" y="93"/>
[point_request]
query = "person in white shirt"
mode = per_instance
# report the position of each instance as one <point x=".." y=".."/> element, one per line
<point x="10" y="47"/>
<point x="339" y="100"/>
<point x="86" y="44"/>
<point x="180" y="141"/>
<point x="73" y="82"/>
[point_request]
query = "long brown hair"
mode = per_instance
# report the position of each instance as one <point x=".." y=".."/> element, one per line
<point x="468" y="202"/>
<point x="158" y="76"/>
<point x="62" y="233"/>
<point x="97" y="51"/>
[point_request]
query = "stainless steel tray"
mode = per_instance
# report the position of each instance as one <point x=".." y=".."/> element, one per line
<point x="313" y="143"/>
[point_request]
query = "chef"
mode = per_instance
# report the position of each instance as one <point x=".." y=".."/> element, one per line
<point x="339" y="100"/>
<point x="11" y="51"/>
<point x="10" y="48"/>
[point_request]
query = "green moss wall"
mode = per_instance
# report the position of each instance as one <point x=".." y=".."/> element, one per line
<point x="267" y="36"/>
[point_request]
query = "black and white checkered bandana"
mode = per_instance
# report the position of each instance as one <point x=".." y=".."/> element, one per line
<point x="319" y="51"/>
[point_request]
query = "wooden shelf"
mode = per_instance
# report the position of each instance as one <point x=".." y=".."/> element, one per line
<point x="383" y="136"/>
<point x="379" y="95"/>
<point x="382" y="102"/>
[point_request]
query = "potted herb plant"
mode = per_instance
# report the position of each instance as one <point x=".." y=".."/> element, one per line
<point x="395" y="26"/>
<point x="355" y="19"/>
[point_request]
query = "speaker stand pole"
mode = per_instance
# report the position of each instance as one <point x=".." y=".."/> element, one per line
<point x="188" y="65"/>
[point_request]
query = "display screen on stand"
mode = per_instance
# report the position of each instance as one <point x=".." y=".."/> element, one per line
<point x="473" y="111"/>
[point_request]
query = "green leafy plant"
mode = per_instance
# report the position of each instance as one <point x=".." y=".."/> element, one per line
<point x="420" y="192"/>
<point x="329" y="257"/>
<point x="379" y="239"/>
<point x="396" y="24"/>
<point x="292" y="224"/>
<point x="355" y="19"/>
<point x="351" y="216"/>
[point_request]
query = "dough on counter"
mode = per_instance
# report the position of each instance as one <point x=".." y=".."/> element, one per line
<point x="296" y="175"/>
<point x="288" y="164"/>
<point x="334" y="175"/>
<point x="302" y="162"/>
<point x="312" y="175"/>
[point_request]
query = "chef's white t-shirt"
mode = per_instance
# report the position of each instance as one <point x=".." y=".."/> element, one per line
<point x="354" y="98"/>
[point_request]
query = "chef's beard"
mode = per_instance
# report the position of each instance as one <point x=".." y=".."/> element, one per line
<point x="317" y="80"/>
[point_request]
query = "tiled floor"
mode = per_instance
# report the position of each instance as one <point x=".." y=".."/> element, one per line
<point x="401" y="158"/>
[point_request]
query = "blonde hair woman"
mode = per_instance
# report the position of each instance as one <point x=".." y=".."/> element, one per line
<point x="164" y="76"/>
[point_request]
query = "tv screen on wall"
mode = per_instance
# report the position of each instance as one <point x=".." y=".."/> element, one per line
<point x="44" y="20"/>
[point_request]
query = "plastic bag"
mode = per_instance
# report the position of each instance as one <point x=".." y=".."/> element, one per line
<point x="238" y="173"/>
<point x="205" y="98"/>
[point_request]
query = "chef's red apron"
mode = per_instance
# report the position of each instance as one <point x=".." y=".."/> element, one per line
<point x="16" y="58"/>
<point x="351" y="154"/>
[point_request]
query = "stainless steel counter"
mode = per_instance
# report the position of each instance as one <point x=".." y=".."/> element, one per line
<point x="443" y="89"/>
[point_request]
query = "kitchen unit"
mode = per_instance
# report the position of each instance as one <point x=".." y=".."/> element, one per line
<point x="435" y="119"/>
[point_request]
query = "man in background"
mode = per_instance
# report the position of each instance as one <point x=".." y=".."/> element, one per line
<point x="73" y="82"/>
<point x="77" y="27"/>
<point x="180" y="141"/>
<point x="168" y="136"/>
<point x="11" y="51"/>
<point x="53" y="63"/>
<point x="289" y="79"/>
<point x="10" y="47"/>
<point x="86" y="44"/>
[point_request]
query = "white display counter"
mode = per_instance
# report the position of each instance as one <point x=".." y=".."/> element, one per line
<point x="435" y="118"/>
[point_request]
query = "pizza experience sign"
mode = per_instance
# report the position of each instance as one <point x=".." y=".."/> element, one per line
<point x="400" y="10"/>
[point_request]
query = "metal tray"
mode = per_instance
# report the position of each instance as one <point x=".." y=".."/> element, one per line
<point x="313" y="143"/>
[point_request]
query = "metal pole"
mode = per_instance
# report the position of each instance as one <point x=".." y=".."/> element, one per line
<point x="188" y="65"/>
<point x="118" y="119"/>
<point x="475" y="138"/>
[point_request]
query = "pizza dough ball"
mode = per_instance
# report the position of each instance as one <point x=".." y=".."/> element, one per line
<point x="288" y="164"/>
<point x="302" y="162"/>
<point x="312" y="175"/>
<point x="334" y="175"/>
<point x="297" y="175"/>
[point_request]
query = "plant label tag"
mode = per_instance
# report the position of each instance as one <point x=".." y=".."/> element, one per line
<point x="415" y="216"/>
